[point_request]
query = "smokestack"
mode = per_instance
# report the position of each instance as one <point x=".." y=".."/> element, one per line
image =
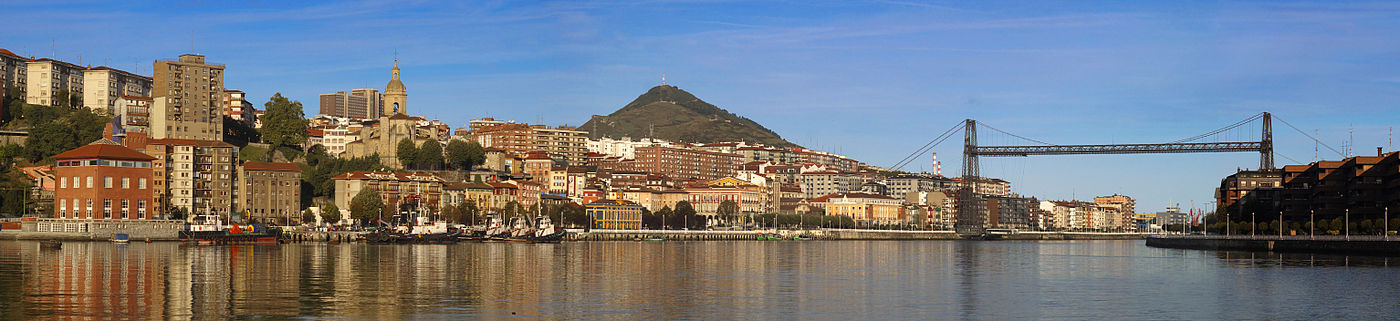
<point x="1379" y="152"/>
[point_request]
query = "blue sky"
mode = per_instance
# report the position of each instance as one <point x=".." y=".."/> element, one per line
<point x="870" y="79"/>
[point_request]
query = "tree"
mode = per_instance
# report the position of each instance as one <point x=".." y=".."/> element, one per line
<point x="728" y="210"/>
<point x="463" y="155"/>
<point x="689" y="218"/>
<point x="284" y="124"/>
<point x="666" y="214"/>
<point x="430" y="155"/>
<point x="330" y="214"/>
<point x="366" y="205"/>
<point x="469" y="212"/>
<point x="307" y="217"/>
<point x="407" y="153"/>
<point x="511" y="210"/>
<point x="575" y="215"/>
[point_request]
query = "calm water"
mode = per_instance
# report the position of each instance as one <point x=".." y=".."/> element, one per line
<point x="830" y="280"/>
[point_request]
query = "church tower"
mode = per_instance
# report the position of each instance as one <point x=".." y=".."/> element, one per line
<point x="395" y="95"/>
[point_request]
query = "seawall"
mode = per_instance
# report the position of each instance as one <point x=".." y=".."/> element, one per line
<point x="829" y="234"/>
<point x="1368" y="245"/>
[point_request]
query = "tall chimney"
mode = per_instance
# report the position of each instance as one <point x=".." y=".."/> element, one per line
<point x="1379" y="152"/>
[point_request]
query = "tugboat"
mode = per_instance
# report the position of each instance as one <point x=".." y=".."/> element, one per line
<point x="547" y="232"/>
<point x="521" y="231"/>
<point x="414" y="228"/>
<point x="210" y="229"/>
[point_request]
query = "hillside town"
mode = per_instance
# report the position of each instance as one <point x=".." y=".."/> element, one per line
<point x="182" y="143"/>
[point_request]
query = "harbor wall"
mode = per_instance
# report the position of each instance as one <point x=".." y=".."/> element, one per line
<point x="94" y="229"/>
<point x="830" y="234"/>
<point x="1358" y="245"/>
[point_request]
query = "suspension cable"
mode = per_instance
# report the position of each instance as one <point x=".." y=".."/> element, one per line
<point x="1222" y="129"/>
<point x="1334" y="150"/>
<point x="931" y="144"/>
<point x="1013" y="135"/>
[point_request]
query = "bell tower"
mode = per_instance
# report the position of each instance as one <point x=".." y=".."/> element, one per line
<point x="395" y="95"/>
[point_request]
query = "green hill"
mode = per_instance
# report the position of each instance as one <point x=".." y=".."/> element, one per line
<point x="669" y="113"/>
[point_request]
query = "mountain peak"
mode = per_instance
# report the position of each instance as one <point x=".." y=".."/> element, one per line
<point x="670" y="113"/>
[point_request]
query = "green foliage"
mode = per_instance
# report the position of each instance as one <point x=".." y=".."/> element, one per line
<point x="430" y="155"/>
<point x="467" y="213"/>
<point x="177" y="213"/>
<point x="64" y="98"/>
<point x="574" y="215"/>
<point x="253" y="153"/>
<point x="511" y="210"/>
<point x="238" y="133"/>
<point x="330" y="214"/>
<point x="728" y="210"/>
<point x="284" y="124"/>
<point x="366" y="205"/>
<point x="319" y="176"/>
<point x="463" y="155"/>
<point x="11" y="107"/>
<point x="315" y="154"/>
<point x="64" y="129"/>
<point x="307" y="217"/>
<point x="684" y="216"/>
<point x="407" y="153"/>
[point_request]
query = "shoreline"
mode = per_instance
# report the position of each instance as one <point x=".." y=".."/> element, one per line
<point x="1355" y="244"/>
<point x="579" y="235"/>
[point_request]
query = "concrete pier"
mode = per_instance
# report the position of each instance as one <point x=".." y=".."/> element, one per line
<point x="1367" y="245"/>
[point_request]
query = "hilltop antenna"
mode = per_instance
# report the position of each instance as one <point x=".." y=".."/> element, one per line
<point x="1315" y="142"/>
<point x="1351" y="140"/>
<point x="663" y="79"/>
<point x="53" y="52"/>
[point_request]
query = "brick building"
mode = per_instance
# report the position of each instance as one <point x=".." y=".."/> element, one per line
<point x="270" y="192"/>
<point x="104" y="180"/>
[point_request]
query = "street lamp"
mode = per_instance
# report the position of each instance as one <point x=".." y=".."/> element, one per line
<point x="1347" y="224"/>
<point x="1312" y="225"/>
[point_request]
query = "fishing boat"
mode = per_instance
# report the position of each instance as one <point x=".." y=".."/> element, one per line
<point x="654" y="238"/>
<point x="414" y="227"/>
<point x="121" y="238"/>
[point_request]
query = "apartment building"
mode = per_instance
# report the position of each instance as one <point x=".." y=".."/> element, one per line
<point x="194" y="175"/>
<point x="14" y="73"/>
<point x="48" y="77"/>
<point x="237" y="107"/>
<point x="569" y="143"/>
<point x="363" y="103"/>
<point x="398" y="190"/>
<point x="103" y="87"/>
<point x="188" y="99"/>
<point x="684" y="164"/>
<point x="135" y="113"/>
<point x="269" y="192"/>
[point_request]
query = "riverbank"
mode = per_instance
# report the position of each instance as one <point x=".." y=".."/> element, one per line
<point x="830" y="234"/>
<point x="1367" y="245"/>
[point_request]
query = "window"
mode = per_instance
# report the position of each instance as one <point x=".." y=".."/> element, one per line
<point x="89" y="182"/>
<point x="141" y="208"/>
<point x="126" y="182"/>
<point x="89" y="207"/>
<point x="63" y="182"/>
<point x="126" y="208"/>
<point x="107" y="182"/>
<point x="141" y="183"/>
<point x="106" y="208"/>
<point x="62" y="208"/>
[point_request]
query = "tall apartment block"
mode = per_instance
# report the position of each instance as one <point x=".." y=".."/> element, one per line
<point x="47" y="77"/>
<point x="195" y="175"/>
<point x="365" y="103"/>
<point x="13" y="73"/>
<point x="188" y="97"/>
<point x="104" y="86"/>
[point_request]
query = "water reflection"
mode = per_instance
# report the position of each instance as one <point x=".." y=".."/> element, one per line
<point x="687" y="280"/>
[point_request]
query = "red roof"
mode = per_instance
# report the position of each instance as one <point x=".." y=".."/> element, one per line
<point x="7" y="52"/>
<point x="270" y="166"/>
<point x="827" y="197"/>
<point x="104" y="149"/>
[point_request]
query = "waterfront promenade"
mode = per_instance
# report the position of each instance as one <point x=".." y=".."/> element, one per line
<point x="1331" y="244"/>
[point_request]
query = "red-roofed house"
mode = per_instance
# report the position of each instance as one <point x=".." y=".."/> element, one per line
<point x="104" y="180"/>
<point x="863" y="208"/>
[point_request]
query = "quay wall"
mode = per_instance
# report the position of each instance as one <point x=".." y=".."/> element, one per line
<point x="1354" y="245"/>
<point x="829" y="234"/>
<point x="94" y="229"/>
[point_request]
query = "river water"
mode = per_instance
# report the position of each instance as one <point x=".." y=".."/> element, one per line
<point x="793" y="280"/>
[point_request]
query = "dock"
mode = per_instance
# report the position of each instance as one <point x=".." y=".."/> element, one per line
<point x="1321" y="244"/>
